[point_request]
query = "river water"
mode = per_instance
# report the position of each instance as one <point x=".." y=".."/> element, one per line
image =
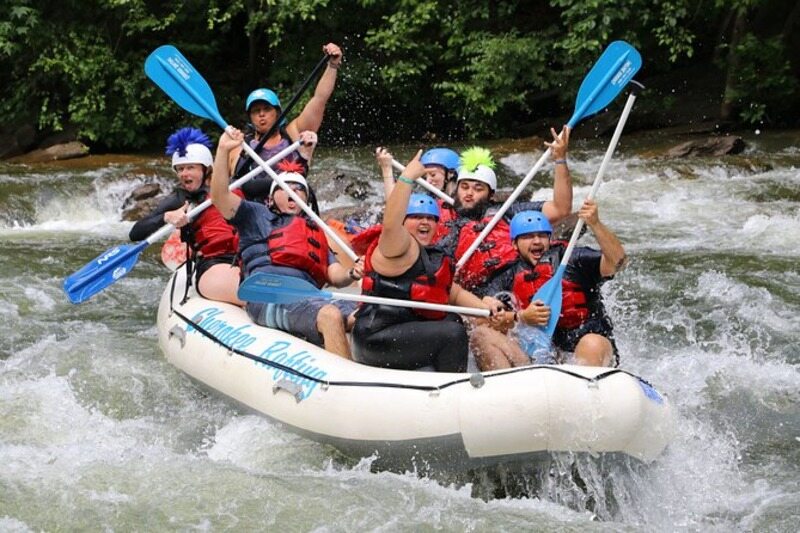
<point x="98" y="431"/>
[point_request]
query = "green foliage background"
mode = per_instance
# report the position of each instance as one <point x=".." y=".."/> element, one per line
<point x="413" y="68"/>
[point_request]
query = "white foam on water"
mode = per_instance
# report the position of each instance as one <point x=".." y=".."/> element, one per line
<point x="12" y="525"/>
<point x="95" y="425"/>
<point x="253" y="443"/>
<point x="41" y="300"/>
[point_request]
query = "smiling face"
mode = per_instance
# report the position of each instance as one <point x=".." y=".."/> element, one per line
<point x="263" y="116"/>
<point x="284" y="203"/>
<point x="421" y="227"/>
<point x="532" y="246"/>
<point x="436" y="176"/>
<point x="190" y="176"/>
<point x="471" y="192"/>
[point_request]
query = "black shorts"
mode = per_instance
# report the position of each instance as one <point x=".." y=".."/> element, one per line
<point x="393" y="337"/>
<point x="202" y="265"/>
<point x="567" y="339"/>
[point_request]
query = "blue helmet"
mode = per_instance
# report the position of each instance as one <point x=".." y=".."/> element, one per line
<point x="422" y="204"/>
<point x="262" y="95"/>
<point x="529" y="222"/>
<point x="443" y="157"/>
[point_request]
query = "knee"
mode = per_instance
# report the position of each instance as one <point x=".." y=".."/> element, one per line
<point x="329" y="316"/>
<point x="456" y="332"/>
<point x="480" y="335"/>
<point x="593" y="350"/>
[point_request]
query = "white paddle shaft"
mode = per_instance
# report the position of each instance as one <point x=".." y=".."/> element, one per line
<point x="304" y="206"/>
<point x="420" y="181"/>
<point x="169" y="228"/>
<point x="503" y="208"/>
<point x="602" y="170"/>
<point x="474" y="311"/>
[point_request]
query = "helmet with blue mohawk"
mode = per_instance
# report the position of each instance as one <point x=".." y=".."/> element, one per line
<point x="190" y="145"/>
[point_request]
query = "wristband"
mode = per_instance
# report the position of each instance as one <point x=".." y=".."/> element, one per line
<point x="405" y="180"/>
<point x="560" y="161"/>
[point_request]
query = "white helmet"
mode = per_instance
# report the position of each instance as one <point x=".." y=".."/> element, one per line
<point x="289" y="177"/>
<point x="481" y="173"/>
<point x="195" y="153"/>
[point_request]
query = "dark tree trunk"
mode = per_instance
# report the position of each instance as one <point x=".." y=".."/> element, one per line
<point x="727" y="107"/>
<point x="791" y="20"/>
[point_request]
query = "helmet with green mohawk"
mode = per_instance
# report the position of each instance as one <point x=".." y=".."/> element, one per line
<point x="477" y="165"/>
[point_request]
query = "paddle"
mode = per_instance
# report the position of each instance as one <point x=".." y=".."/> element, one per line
<point x="285" y="111"/>
<point x="609" y="75"/>
<point x="115" y="262"/>
<point x="168" y="69"/>
<point x="424" y="183"/>
<point x="550" y="292"/>
<point x="276" y="289"/>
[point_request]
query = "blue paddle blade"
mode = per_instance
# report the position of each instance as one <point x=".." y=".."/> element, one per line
<point x="277" y="289"/>
<point x="609" y="75"/>
<point x="102" y="271"/>
<point x="173" y="73"/>
<point x="550" y="294"/>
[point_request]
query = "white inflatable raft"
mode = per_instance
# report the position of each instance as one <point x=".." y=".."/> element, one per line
<point x="410" y="417"/>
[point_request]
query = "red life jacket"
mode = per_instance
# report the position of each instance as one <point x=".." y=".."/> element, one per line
<point x="300" y="244"/>
<point x="574" y="303"/>
<point x="361" y="242"/>
<point x="446" y="217"/>
<point x="431" y="285"/>
<point x="211" y="235"/>
<point x="494" y="254"/>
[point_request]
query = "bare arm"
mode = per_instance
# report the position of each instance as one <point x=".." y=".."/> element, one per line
<point x="223" y="199"/>
<point x="461" y="296"/>
<point x="233" y="158"/>
<point x="341" y="276"/>
<point x="614" y="258"/>
<point x="384" y="158"/>
<point x="561" y="205"/>
<point x="311" y="116"/>
<point x="395" y="241"/>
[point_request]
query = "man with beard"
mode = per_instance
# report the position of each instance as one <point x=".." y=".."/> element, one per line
<point x="474" y="207"/>
<point x="584" y="327"/>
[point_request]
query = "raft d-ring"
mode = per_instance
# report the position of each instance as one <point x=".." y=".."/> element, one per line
<point x="289" y="386"/>
<point x="477" y="380"/>
<point x="180" y="333"/>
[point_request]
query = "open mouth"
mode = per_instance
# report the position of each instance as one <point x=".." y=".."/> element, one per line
<point x="536" y="253"/>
